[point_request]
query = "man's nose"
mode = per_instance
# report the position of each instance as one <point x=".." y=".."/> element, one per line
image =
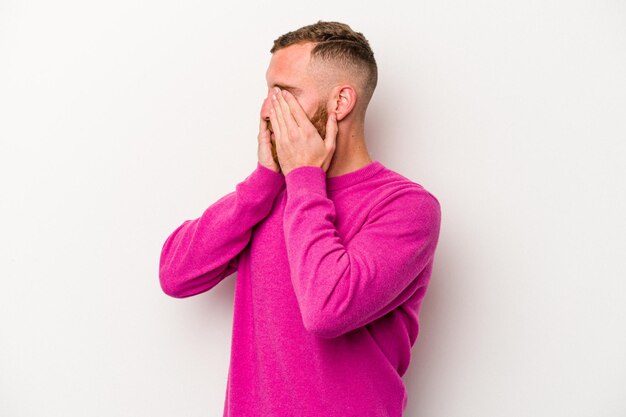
<point x="265" y="109"/>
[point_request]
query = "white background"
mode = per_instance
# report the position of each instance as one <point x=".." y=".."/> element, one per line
<point x="121" y="119"/>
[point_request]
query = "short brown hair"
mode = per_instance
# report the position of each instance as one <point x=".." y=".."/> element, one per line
<point x="339" y="43"/>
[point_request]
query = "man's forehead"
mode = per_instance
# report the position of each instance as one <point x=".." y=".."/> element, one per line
<point x="288" y="66"/>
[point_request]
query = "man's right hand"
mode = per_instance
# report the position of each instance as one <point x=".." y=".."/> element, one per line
<point x="266" y="150"/>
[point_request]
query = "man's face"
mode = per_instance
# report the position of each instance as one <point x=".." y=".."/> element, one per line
<point x="288" y="71"/>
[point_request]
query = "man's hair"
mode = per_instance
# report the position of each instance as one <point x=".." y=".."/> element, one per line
<point x="338" y="43"/>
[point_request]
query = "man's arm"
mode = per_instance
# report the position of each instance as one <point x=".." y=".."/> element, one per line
<point x="341" y="287"/>
<point x="199" y="253"/>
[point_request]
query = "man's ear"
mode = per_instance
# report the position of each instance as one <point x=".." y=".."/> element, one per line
<point x="343" y="100"/>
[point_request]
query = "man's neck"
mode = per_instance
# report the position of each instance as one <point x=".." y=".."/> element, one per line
<point x="350" y="154"/>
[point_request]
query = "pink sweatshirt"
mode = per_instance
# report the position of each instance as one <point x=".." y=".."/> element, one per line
<point x="331" y="275"/>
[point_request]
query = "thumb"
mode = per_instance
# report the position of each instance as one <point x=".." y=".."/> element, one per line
<point x="330" y="140"/>
<point x="331" y="133"/>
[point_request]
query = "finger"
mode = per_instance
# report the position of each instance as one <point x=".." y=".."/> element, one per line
<point x="296" y="109"/>
<point x="278" y="138"/>
<point x="287" y="111"/>
<point x="331" y="132"/>
<point x="279" y="115"/>
<point x="274" y="122"/>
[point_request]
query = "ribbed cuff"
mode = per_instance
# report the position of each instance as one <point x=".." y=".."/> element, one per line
<point x="269" y="174"/>
<point x="306" y="179"/>
<point x="260" y="185"/>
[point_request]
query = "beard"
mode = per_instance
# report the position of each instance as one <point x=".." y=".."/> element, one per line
<point x="319" y="120"/>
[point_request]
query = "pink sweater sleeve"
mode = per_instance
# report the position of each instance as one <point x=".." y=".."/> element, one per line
<point x="199" y="253"/>
<point x="342" y="286"/>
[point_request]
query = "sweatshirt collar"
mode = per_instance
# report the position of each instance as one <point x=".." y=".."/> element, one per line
<point x="354" y="177"/>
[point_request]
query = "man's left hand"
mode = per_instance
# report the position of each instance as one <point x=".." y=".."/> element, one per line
<point x="298" y="143"/>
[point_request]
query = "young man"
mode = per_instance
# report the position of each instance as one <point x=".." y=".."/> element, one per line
<point x="333" y="251"/>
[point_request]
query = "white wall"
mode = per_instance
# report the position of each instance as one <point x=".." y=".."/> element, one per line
<point x="121" y="119"/>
